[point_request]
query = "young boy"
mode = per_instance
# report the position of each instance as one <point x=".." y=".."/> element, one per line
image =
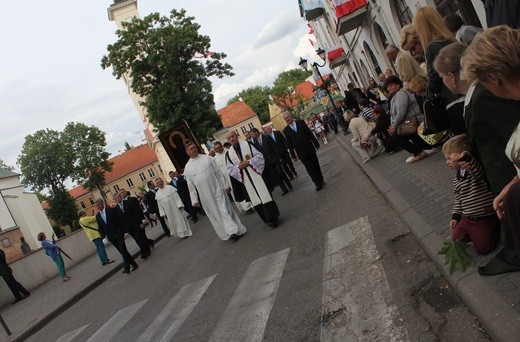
<point x="473" y="217"/>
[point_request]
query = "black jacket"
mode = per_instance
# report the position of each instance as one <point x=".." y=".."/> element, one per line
<point x="114" y="227"/>
<point x="302" y="141"/>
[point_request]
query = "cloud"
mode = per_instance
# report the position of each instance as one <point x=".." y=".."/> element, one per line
<point x="283" y="24"/>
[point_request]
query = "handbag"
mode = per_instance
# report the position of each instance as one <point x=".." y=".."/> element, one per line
<point x="435" y="116"/>
<point x="408" y="126"/>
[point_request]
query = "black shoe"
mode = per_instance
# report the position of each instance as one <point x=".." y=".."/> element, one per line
<point x="322" y="183"/>
<point x="233" y="237"/>
<point x="319" y="187"/>
<point x="152" y="243"/>
<point x="26" y="295"/>
<point x="290" y="187"/>
<point x="195" y="220"/>
<point x="126" y="271"/>
<point x="250" y="211"/>
<point x="144" y="256"/>
<point x="285" y="192"/>
<point x="291" y="178"/>
<point x="108" y="262"/>
<point x="134" y="268"/>
<point x="497" y="266"/>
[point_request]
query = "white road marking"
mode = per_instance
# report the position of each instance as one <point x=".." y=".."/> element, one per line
<point x="116" y="323"/>
<point x="246" y="314"/>
<point x="357" y="301"/>
<point x="68" y="337"/>
<point x="176" y="311"/>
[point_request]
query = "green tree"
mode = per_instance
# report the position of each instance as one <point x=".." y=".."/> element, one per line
<point x="62" y="209"/>
<point x="45" y="161"/>
<point x="160" y="59"/>
<point x="283" y="92"/>
<point x="3" y="165"/>
<point x="90" y="158"/>
<point x="258" y="99"/>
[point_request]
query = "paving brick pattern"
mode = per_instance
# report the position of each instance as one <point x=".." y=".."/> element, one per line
<point x="427" y="187"/>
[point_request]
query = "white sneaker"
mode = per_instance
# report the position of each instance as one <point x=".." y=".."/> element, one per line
<point x="325" y="142"/>
<point x="431" y="151"/>
<point x="409" y="160"/>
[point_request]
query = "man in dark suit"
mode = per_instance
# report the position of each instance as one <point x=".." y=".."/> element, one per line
<point x="180" y="183"/>
<point x="19" y="292"/>
<point x="111" y="225"/>
<point x="133" y="217"/>
<point x="352" y="98"/>
<point x="273" y="174"/>
<point x="281" y="147"/>
<point x="300" y="138"/>
<point x="153" y="207"/>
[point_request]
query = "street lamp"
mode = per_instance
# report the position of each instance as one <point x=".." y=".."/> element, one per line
<point x="303" y="64"/>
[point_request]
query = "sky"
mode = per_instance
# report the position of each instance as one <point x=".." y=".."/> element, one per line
<point x="50" y="63"/>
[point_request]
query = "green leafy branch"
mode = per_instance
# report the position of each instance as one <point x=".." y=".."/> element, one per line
<point x="456" y="255"/>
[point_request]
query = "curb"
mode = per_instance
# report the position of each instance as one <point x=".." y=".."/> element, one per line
<point x="82" y="293"/>
<point x="497" y="316"/>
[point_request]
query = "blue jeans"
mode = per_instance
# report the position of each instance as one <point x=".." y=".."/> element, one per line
<point x="100" y="247"/>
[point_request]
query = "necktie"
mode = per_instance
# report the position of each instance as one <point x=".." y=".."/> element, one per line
<point x="293" y="126"/>
<point x="272" y="136"/>
<point x="104" y="215"/>
<point x="122" y="206"/>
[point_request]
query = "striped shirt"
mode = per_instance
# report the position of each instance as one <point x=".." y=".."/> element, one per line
<point x="472" y="196"/>
<point x="368" y="115"/>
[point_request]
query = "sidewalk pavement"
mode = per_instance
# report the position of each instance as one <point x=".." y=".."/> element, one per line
<point x="51" y="299"/>
<point x="421" y="194"/>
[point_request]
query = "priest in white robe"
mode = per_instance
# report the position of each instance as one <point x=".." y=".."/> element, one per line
<point x="245" y="165"/>
<point x="220" y="159"/>
<point x="202" y="174"/>
<point x="171" y="206"/>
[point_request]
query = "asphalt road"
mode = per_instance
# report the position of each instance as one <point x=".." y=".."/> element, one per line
<point x="340" y="258"/>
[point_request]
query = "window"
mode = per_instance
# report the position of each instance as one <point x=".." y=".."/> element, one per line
<point x="244" y="130"/>
<point x="129" y="182"/>
<point x="83" y="206"/>
<point x="251" y="125"/>
<point x="6" y="242"/>
<point x="91" y="200"/>
<point x="151" y="172"/>
<point x="116" y="188"/>
<point x="404" y="14"/>
<point x="142" y="176"/>
<point x="160" y="168"/>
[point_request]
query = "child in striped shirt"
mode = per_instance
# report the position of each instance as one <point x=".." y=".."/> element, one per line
<point x="473" y="217"/>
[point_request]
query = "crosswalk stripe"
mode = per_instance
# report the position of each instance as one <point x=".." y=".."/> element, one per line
<point x="246" y="314"/>
<point x="355" y="288"/>
<point x="116" y="323"/>
<point x="176" y="311"/>
<point x="68" y="337"/>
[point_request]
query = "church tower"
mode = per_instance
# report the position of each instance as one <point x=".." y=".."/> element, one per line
<point x="125" y="10"/>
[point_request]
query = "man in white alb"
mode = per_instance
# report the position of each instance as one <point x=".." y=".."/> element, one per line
<point x="170" y="205"/>
<point x="202" y="174"/>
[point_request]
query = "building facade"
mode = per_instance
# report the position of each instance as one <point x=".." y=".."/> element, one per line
<point x="355" y="33"/>
<point x="131" y="170"/>
<point x="21" y="214"/>
<point x="239" y="117"/>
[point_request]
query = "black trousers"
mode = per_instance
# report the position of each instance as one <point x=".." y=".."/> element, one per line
<point x="164" y="226"/>
<point x="139" y="235"/>
<point x="412" y="143"/>
<point x="274" y="176"/>
<point x="120" y="245"/>
<point x="268" y="212"/>
<point x="16" y="288"/>
<point x="312" y="165"/>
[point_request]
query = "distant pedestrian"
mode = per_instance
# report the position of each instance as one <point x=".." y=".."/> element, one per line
<point x="179" y="182"/>
<point x="24" y="246"/>
<point x="300" y="139"/>
<point x="207" y="187"/>
<point x="153" y="207"/>
<point x="19" y="292"/>
<point x="53" y="252"/>
<point x="473" y="217"/>
<point x="90" y="227"/>
<point x="171" y="205"/>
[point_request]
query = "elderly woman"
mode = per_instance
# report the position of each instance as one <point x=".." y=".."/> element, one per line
<point x="493" y="59"/>
<point x="411" y="43"/>
<point x="403" y="106"/>
<point x="53" y="252"/>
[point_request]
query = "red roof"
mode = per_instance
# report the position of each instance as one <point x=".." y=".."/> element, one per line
<point x="124" y="164"/>
<point x="235" y="113"/>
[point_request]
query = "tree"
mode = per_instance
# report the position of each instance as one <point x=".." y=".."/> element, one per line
<point x="167" y="62"/>
<point x="283" y="92"/>
<point x="45" y="161"/>
<point x="3" y="165"/>
<point x="91" y="160"/>
<point x="258" y="99"/>
<point x="62" y="209"/>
